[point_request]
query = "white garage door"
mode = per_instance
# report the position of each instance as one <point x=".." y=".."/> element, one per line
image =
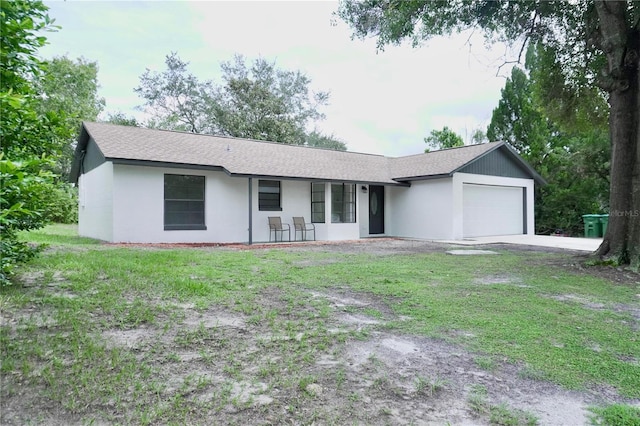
<point x="492" y="210"/>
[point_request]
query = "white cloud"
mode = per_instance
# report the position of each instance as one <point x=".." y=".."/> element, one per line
<point x="381" y="102"/>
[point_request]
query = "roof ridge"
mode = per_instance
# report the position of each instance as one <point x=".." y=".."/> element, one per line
<point x="182" y="132"/>
<point x="447" y="149"/>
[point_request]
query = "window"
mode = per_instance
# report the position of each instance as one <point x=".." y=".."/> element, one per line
<point x="183" y="202"/>
<point x="317" y="202"/>
<point x="343" y="203"/>
<point x="269" y="195"/>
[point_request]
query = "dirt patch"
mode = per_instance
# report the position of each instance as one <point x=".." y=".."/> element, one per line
<point x="322" y="357"/>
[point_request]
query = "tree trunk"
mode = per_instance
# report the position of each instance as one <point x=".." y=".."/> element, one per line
<point x="620" y="43"/>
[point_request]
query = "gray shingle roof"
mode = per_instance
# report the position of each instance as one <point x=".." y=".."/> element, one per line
<point x="243" y="157"/>
<point x="437" y="163"/>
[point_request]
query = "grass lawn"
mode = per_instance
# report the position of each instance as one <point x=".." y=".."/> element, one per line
<point x="144" y="335"/>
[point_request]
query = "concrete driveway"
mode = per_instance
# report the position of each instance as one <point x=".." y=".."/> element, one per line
<point x="570" y="243"/>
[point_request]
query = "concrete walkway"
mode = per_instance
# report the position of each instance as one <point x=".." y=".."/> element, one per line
<point x="571" y="243"/>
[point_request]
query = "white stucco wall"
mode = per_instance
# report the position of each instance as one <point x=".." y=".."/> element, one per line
<point x="95" y="203"/>
<point x="125" y="203"/>
<point x="423" y="210"/>
<point x="138" y="199"/>
<point x="459" y="179"/>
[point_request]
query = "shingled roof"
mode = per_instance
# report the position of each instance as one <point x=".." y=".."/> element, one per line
<point x="244" y="157"/>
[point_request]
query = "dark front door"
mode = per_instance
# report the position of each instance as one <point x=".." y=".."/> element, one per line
<point x="376" y="209"/>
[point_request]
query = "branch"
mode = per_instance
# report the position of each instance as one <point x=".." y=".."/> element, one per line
<point x="527" y="37"/>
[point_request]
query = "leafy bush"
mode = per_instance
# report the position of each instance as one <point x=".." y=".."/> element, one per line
<point x="25" y="195"/>
<point x="63" y="204"/>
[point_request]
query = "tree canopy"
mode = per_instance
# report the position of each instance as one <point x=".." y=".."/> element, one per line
<point x="595" y="48"/>
<point x="442" y="139"/>
<point x="574" y="159"/>
<point x="255" y="101"/>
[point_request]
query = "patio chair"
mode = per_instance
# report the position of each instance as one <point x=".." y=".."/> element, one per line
<point x="302" y="227"/>
<point x="275" y="226"/>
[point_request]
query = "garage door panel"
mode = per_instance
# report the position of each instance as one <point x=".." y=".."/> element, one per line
<point x="492" y="210"/>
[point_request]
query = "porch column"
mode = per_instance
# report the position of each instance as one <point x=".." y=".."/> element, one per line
<point x="250" y="211"/>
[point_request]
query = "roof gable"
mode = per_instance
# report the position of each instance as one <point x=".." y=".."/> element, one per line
<point x="502" y="161"/>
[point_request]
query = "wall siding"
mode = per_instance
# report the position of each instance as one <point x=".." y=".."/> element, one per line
<point x="93" y="158"/>
<point x="496" y="163"/>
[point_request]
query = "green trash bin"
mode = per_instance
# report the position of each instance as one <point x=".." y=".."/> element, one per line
<point x="592" y="226"/>
<point x="604" y="222"/>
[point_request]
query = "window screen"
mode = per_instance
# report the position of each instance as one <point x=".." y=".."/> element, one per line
<point x="343" y="203"/>
<point x="183" y="202"/>
<point x="317" y="202"/>
<point x="269" y="195"/>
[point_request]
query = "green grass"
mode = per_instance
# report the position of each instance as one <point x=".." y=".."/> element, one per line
<point x="58" y="347"/>
<point x="524" y="324"/>
<point x="616" y="415"/>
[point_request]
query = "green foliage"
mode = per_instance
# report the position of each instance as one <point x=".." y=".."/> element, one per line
<point x="63" y="204"/>
<point x="176" y="99"/>
<point x="34" y="129"/>
<point x="318" y="140"/>
<point x="69" y="91"/>
<point x="615" y="415"/>
<point x="26" y="188"/>
<point x="518" y="120"/>
<point x="71" y="87"/>
<point x="123" y="120"/>
<point x="442" y="139"/>
<point x="256" y="101"/>
<point x="19" y="42"/>
<point x="570" y="149"/>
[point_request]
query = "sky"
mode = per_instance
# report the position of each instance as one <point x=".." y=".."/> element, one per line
<point x="381" y="102"/>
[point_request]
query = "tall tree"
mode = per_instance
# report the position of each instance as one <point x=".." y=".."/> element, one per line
<point x="572" y="158"/>
<point x="177" y="99"/>
<point x="267" y="103"/>
<point x="69" y="89"/>
<point x="257" y="101"/>
<point x="442" y="139"/>
<point x="597" y="45"/>
<point x="519" y="121"/>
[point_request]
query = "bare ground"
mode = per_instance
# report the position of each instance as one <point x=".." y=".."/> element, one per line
<point x="251" y="373"/>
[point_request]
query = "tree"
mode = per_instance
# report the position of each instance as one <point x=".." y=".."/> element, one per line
<point x="122" y="119"/>
<point x="69" y="89"/>
<point x="258" y="101"/>
<point x="27" y="136"/>
<point x="478" y="136"/>
<point x="176" y="99"/>
<point x="318" y="140"/>
<point x="596" y="44"/>
<point x="572" y="158"/>
<point x="442" y="139"/>
<point x="518" y="121"/>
